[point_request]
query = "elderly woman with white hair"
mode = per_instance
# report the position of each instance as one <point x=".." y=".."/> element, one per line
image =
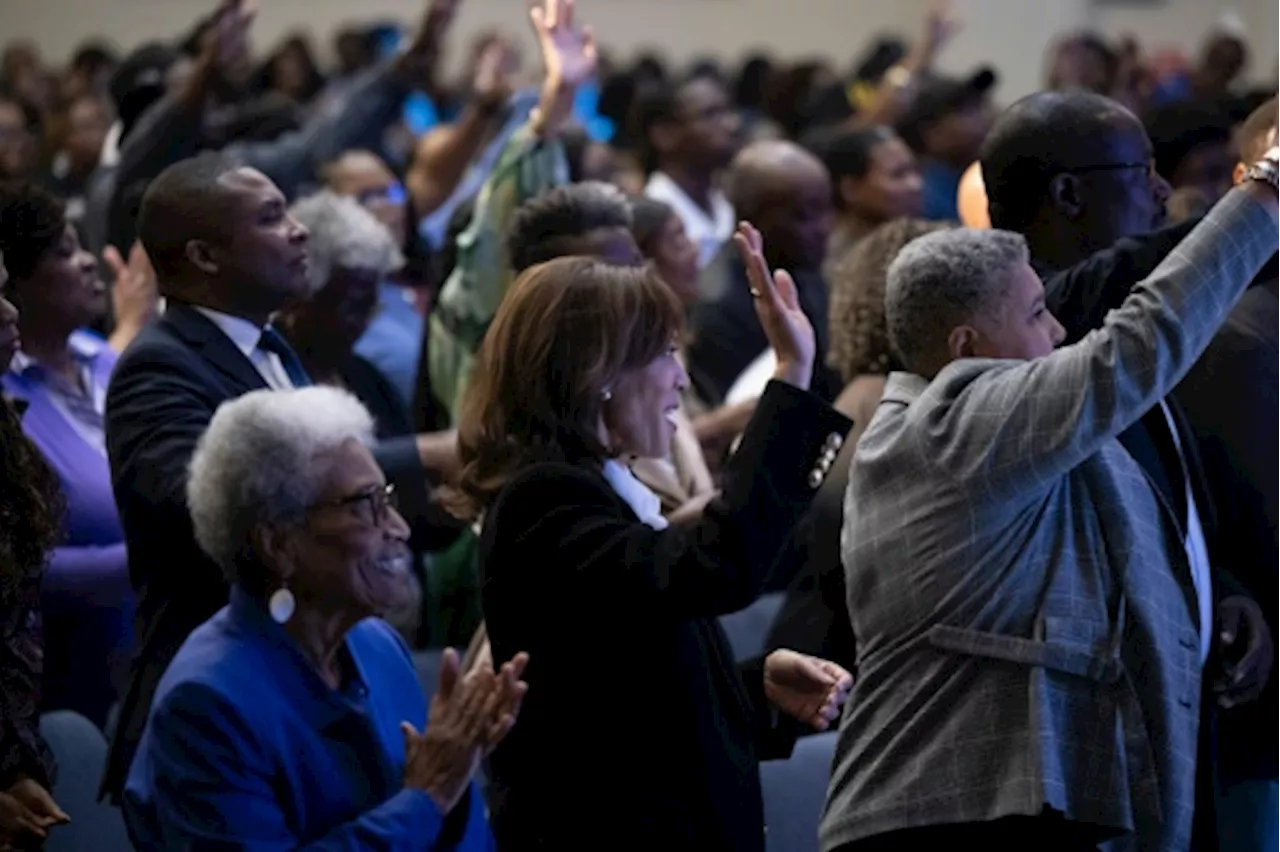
<point x="291" y="719"/>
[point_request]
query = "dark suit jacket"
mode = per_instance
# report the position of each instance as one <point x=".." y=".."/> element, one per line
<point x="164" y="391"/>
<point x="634" y="700"/>
<point x="1230" y="398"/>
<point x="726" y="336"/>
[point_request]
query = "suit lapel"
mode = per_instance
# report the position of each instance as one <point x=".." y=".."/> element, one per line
<point x="216" y="348"/>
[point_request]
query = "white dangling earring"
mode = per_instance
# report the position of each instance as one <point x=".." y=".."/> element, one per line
<point x="281" y="605"/>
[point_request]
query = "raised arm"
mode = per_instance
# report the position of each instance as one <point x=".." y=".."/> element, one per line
<point x="715" y="566"/>
<point x="1020" y="425"/>
<point x="1081" y="296"/>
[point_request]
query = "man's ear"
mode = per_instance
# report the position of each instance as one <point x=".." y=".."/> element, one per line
<point x="202" y="256"/>
<point x="1066" y="195"/>
<point x="962" y="342"/>
<point x="1238" y="175"/>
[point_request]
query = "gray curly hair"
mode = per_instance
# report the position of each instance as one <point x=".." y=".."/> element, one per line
<point x="344" y="235"/>
<point x="942" y="280"/>
<point x="255" y="464"/>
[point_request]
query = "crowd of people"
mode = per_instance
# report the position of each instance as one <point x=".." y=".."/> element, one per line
<point x="306" y="373"/>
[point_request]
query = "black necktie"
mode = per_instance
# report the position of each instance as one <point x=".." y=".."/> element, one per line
<point x="273" y="341"/>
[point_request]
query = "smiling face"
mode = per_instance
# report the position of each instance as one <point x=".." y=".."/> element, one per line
<point x="351" y="553"/>
<point x="64" y="287"/>
<point x="638" y="416"/>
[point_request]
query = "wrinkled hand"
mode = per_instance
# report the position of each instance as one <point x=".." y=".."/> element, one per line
<point x="469" y="715"/>
<point x="806" y="688"/>
<point x="1244" y="643"/>
<point x="135" y="296"/>
<point x="777" y="304"/>
<point x="568" y="52"/>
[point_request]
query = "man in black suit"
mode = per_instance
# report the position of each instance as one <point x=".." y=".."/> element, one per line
<point x="227" y="256"/>
<point x="1230" y="398"/>
<point x="1074" y="174"/>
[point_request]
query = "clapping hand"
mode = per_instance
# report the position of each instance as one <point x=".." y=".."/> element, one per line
<point x="806" y="688"/>
<point x="778" y="306"/>
<point x="469" y="715"/>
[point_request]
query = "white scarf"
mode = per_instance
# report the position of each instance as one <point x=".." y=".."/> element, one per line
<point x="636" y="494"/>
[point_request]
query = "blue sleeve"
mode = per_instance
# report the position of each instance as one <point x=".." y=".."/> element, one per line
<point x="212" y="788"/>
<point x="94" y="572"/>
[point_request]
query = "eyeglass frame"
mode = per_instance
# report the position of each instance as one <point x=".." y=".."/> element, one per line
<point x="382" y="501"/>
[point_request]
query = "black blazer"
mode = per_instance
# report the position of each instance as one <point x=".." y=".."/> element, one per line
<point x="163" y="393"/>
<point x="638" y="725"/>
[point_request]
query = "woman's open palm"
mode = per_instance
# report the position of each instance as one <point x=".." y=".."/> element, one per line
<point x="568" y="52"/>
<point x="777" y="304"/>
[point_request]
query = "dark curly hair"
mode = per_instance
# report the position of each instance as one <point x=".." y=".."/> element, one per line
<point x="32" y="221"/>
<point x="553" y="224"/>
<point x="30" y="506"/>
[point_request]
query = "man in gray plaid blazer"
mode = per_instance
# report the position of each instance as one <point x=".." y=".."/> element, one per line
<point x="1029" y="637"/>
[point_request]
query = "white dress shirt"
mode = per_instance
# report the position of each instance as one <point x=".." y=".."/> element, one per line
<point x="1197" y="549"/>
<point x="708" y="233"/>
<point x="246" y="336"/>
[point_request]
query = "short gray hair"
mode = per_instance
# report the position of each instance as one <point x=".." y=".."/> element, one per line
<point x="344" y="235"/>
<point x="255" y="465"/>
<point x="942" y="280"/>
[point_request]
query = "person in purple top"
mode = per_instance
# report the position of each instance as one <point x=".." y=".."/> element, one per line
<point x="60" y="377"/>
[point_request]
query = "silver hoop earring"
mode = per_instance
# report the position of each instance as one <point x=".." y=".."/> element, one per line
<point x="281" y="605"/>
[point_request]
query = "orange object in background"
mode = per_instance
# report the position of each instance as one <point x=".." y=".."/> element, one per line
<point x="971" y="199"/>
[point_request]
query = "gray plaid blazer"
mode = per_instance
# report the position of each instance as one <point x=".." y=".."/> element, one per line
<point x="1026" y="620"/>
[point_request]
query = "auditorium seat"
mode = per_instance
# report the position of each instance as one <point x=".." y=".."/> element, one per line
<point x="81" y="753"/>
<point x="794" y="790"/>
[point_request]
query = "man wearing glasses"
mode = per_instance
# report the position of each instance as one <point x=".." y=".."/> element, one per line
<point x="1074" y="174"/>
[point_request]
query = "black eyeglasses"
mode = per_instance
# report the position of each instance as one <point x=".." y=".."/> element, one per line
<point x="1149" y="167"/>
<point x="373" y="506"/>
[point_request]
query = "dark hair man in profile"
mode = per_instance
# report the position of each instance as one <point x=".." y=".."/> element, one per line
<point x="1231" y="401"/>
<point x="1074" y="173"/>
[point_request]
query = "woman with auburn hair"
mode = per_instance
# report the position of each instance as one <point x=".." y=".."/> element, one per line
<point x="633" y="692"/>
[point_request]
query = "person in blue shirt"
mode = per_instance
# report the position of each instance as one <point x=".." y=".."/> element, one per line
<point x="291" y="719"/>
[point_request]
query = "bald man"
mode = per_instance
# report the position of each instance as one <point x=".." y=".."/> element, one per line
<point x="785" y="192"/>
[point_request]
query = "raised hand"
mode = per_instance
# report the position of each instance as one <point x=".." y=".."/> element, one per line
<point x="806" y="688"/>
<point x="492" y="83"/>
<point x="777" y="304"/>
<point x="418" y="64"/>
<point x="568" y="52"/>
<point x="135" y="295"/>
<point x="226" y="45"/>
<point x="940" y="26"/>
